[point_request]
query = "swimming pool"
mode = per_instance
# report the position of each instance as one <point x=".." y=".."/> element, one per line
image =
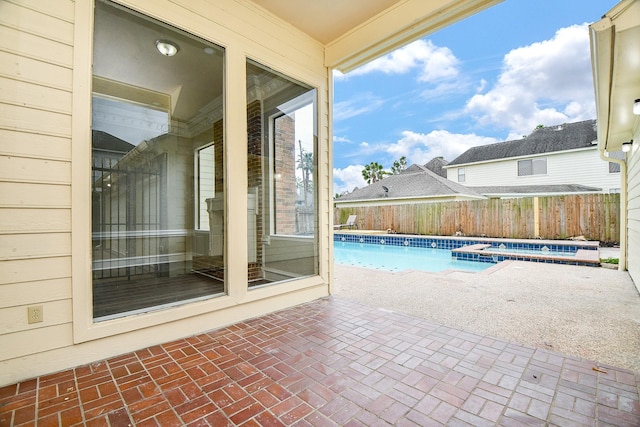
<point x="480" y="249"/>
<point x="398" y="258"/>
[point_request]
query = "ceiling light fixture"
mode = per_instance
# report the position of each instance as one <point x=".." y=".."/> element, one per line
<point x="167" y="47"/>
<point x="626" y="146"/>
<point x="636" y="107"/>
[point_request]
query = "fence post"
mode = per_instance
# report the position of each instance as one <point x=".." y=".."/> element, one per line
<point x="536" y="217"/>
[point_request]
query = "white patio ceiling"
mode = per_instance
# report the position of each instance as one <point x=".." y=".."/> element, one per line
<point x="357" y="31"/>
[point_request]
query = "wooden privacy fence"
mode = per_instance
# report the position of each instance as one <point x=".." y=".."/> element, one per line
<point x="594" y="216"/>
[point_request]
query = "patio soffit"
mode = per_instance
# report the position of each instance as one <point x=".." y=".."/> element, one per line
<point x="615" y="52"/>
<point x="357" y="31"/>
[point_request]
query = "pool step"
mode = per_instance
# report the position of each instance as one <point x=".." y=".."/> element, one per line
<point x="481" y="252"/>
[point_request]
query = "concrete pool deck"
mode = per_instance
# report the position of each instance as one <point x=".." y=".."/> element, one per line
<point x="593" y="313"/>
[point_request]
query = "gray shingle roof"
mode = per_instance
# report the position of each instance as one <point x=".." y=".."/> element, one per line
<point x="105" y="141"/>
<point x="421" y="183"/>
<point x="536" y="189"/>
<point x="437" y="165"/>
<point x="569" y="136"/>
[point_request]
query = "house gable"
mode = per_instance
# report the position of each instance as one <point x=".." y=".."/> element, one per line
<point x="569" y="136"/>
<point x="563" y="155"/>
<point x="415" y="183"/>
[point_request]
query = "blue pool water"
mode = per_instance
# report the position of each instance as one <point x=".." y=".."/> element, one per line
<point x="398" y="258"/>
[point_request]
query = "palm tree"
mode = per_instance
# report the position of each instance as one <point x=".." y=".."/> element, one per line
<point x="305" y="163"/>
<point x="399" y="165"/>
<point x="373" y="172"/>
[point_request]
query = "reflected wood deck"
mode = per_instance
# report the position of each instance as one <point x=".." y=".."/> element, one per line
<point x="113" y="297"/>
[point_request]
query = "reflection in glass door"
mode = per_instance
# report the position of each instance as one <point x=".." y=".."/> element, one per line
<point x="282" y="176"/>
<point x="157" y="213"/>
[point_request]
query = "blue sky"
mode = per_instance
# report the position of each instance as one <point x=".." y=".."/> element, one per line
<point x="490" y="78"/>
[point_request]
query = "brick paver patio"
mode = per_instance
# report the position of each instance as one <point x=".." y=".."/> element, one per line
<point x="326" y="363"/>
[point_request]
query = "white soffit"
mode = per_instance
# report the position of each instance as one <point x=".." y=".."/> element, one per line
<point x="616" y="68"/>
<point x="326" y="20"/>
<point x="357" y="31"/>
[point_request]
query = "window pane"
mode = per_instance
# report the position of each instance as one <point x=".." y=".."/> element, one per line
<point x="614" y="167"/>
<point x="157" y="162"/>
<point x="282" y="146"/>
<point x="461" y="175"/>
<point x="539" y="166"/>
<point x="205" y="184"/>
<point x="524" y="167"/>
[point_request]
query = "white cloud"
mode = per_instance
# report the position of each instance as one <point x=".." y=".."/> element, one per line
<point x="420" y="148"/>
<point x="417" y="147"/>
<point x="444" y="89"/>
<point x="356" y="106"/>
<point x="481" y="85"/>
<point x="348" y="178"/>
<point x="341" y="139"/>
<point x="548" y="82"/>
<point x="434" y="63"/>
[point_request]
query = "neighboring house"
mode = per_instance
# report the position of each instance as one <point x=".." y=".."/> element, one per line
<point x="437" y="165"/>
<point x="428" y="184"/>
<point x="615" y="49"/>
<point x="564" y="155"/>
<point x="184" y="211"/>
<point x="416" y="184"/>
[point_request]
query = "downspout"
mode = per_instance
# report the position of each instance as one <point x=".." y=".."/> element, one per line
<point x="602" y="34"/>
<point x="622" y="262"/>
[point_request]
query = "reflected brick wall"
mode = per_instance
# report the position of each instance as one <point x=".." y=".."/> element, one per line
<point x="285" y="168"/>
<point x="255" y="176"/>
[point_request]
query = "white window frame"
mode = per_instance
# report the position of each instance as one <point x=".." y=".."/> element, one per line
<point x="461" y="175"/>
<point x="533" y="161"/>
<point x="308" y="98"/>
<point x="196" y="183"/>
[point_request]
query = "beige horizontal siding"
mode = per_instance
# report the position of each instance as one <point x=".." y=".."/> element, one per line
<point x="35" y="96"/>
<point x="28" y="119"/>
<point x="35" y="71"/>
<point x="37" y="292"/>
<point x="36" y="145"/>
<point x="20" y="169"/>
<point x="633" y="212"/>
<point x="14" y="194"/>
<point x="51" y="19"/>
<point x="35" y="341"/>
<point x="61" y="9"/>
<point x="29" y="270"/>
<point x="15" y="319"/>
<point x="14" y="220"/>
<point x="24" y="246"/>
<point x="36" y="47"/>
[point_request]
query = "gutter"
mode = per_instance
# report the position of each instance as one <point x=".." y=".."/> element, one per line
<point x="602" y="35"/>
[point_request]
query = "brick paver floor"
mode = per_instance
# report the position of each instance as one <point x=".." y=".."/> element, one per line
<point x="326" y="363"/>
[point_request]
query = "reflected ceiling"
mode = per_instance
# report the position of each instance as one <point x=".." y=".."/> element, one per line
<point x="125" y="52"/>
